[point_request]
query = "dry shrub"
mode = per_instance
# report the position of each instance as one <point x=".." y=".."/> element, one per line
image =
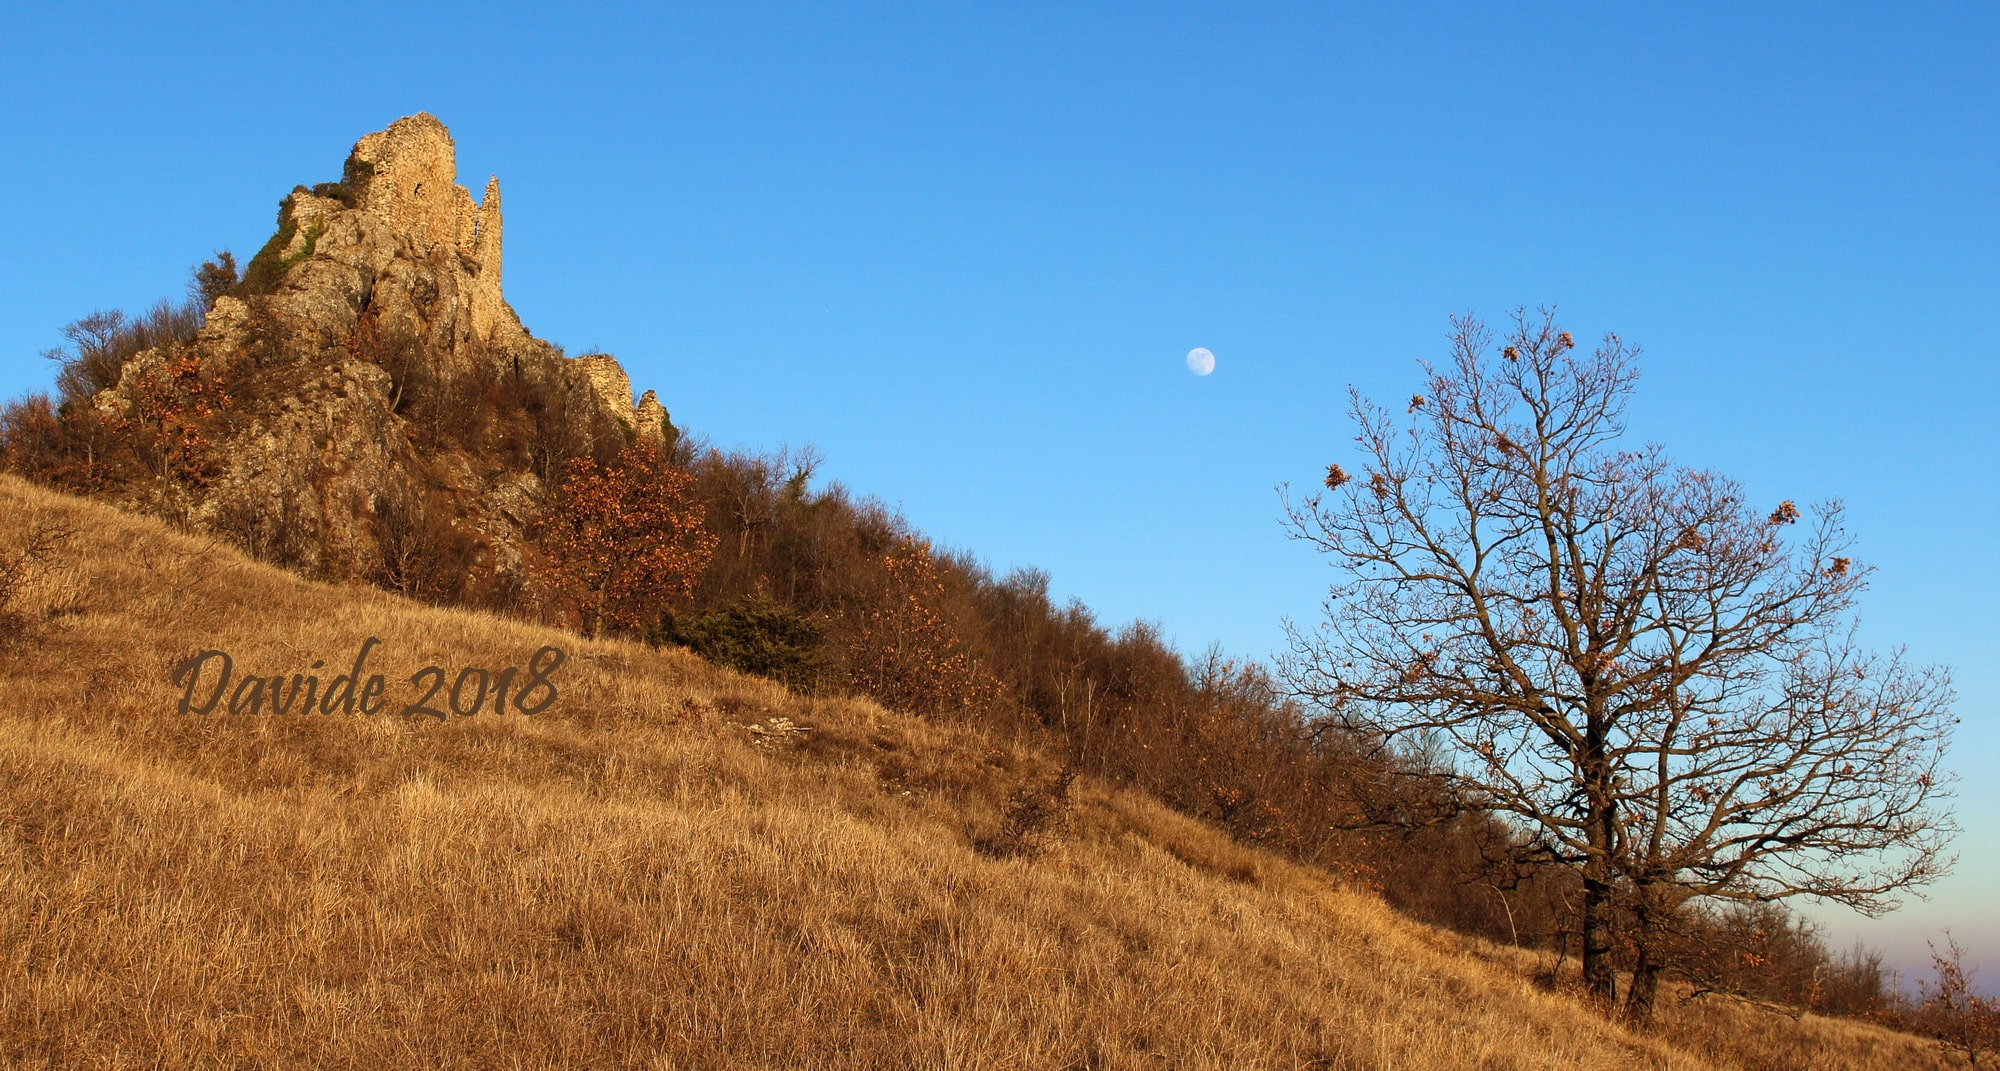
<point x="625" y="539"/>
<point x="1034" y="816"/>
<point x="1952" y="1010"/>
<point x="903" y="649"/>
<point x="39" y="579"/>
<point x="424" y="554"/>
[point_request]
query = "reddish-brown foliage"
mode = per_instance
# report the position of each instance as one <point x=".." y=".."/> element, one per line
<point x="1953" y="1011"/>
<point x="175" y="407"/>
<point x="905" y="651"/>
<point x="625" y="539"/>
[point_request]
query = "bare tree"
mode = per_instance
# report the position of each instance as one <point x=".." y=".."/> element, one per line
<point x="39" y="553"/>
<point x="1660" y="684"/>
<point x="1954" y="1012"/>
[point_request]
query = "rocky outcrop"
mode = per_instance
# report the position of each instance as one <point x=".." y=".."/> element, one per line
<point x="374" y="360"/>
<point x="649" y="420"/>
<point x="613" y="411"/>
<point x="397" y="239"/>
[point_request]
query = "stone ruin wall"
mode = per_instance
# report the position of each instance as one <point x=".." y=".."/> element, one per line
<point x="414" y="186"/>
<point x="414" y="189"/>
<point x="412" y="196"/>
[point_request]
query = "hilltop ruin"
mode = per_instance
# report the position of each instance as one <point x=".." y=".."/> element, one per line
<point x="366" y="384"/>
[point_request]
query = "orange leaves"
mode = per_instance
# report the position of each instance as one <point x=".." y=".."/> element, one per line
<point x="1335" y="477"/>
<point x="626" y="538"/>
<point x="906" y="652"/>
<point x="1786" y="513"/>
<point x="1420" y="667"/>
<point x="179" y="406"/>
<point x="1953" y="1010"/>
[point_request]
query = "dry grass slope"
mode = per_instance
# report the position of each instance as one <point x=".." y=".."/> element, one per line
<point x="635" y="879"/>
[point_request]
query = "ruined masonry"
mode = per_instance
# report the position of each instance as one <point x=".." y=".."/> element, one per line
<point x="412" y="185"/>
<point x="405" y="193"/>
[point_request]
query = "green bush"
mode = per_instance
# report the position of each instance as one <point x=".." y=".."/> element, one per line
<point x="269" y="266"/>
<point x="354" y="177"/>
<point x="355" y="174"/>
<point x="261" y="275"/>
<point x="755" y="636"/>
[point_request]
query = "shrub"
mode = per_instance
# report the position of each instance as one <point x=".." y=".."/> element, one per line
<point x="176" y="409"/>
<point x="27" y="568"/>
<point x="1035" y="812"/>
<point x="1964" y="1020"/>
<point x="212" y="279"/>
<point x="424" y="555"/>
<point x="261" y="275"/>
<point x="904" y="649"/>
<point x="267" y="269"/>
<point x="756" y="636"/>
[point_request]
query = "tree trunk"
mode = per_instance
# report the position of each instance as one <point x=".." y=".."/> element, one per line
<point x="1598" y="979"/>
<point x="1653" y="911"/>
<point x="1645" y="983"/>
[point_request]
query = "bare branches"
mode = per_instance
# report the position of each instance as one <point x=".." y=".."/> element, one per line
<point x="32" y="582"/>
<point x="1953" y="1011"/>
<point x="1658" y="681"/>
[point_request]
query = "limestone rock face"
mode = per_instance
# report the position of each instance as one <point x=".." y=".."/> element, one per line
<point x="382" y="353"/>
<point x="306" y="476"/>
<point x="398" y="237"/>
<point x="613" y="412"/>
<point x="649" y="419"/>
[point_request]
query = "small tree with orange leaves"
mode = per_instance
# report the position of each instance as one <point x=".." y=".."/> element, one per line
<point x="1953" y="1011"/>
<point x="176" y="407"/>
<point x="624" y="538"/>
<point x="904" y="651"/>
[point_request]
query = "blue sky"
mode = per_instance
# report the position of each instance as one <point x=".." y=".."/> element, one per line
<point x="964" y="254"/>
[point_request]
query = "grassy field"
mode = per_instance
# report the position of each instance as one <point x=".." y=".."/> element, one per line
<point x="671" y="866"/>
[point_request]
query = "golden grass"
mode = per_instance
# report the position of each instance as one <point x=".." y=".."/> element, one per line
<point x="635" y="879"/>
<point x="1728" y="1031"/>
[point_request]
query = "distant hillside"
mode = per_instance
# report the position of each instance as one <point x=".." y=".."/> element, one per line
<point x="671" y="865"/>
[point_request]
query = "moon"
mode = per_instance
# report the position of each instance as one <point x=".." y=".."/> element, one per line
<point x="1200" y="361"/>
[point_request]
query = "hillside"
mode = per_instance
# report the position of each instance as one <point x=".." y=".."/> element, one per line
<point x="658" y="870"/>
<point x="361" y="404"/>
